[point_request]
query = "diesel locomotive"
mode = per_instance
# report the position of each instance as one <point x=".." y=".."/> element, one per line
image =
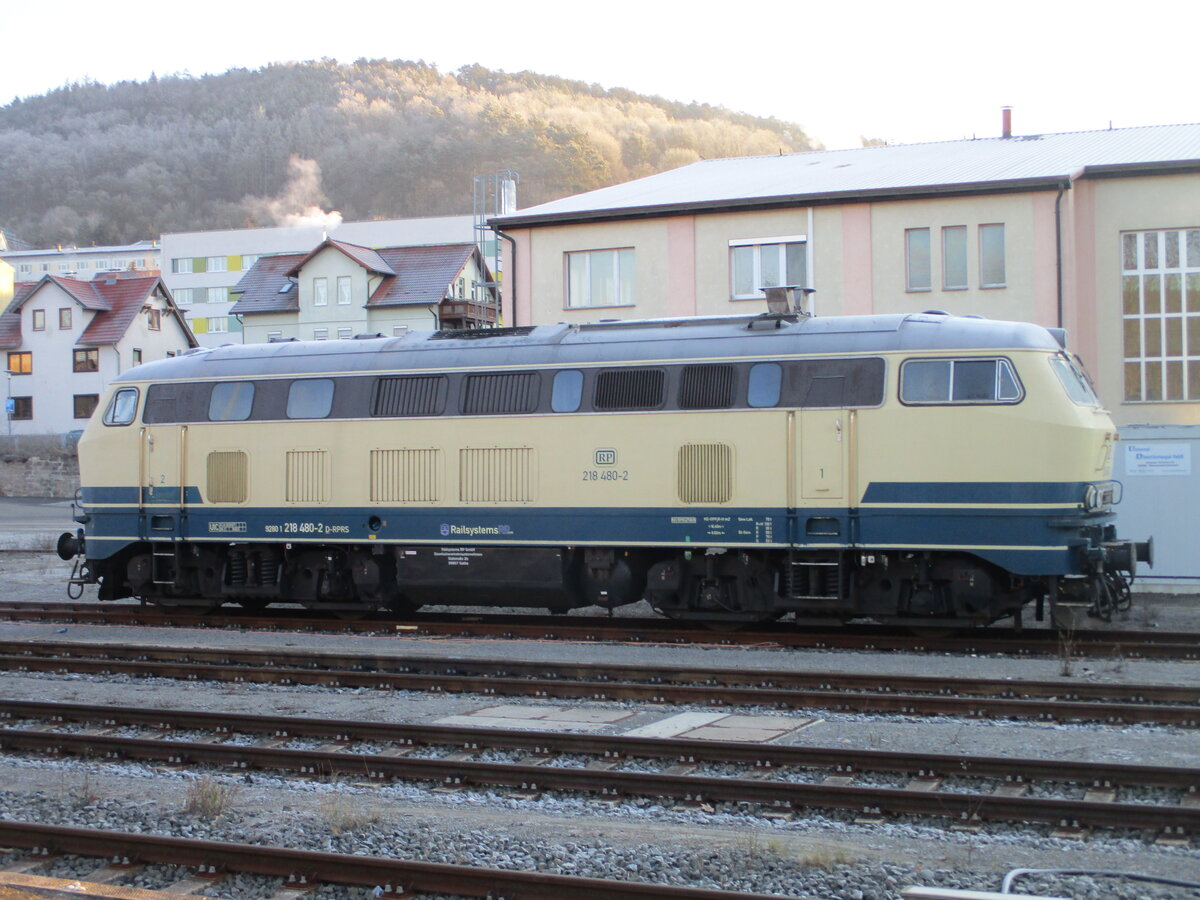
<point x="920" y="469"/>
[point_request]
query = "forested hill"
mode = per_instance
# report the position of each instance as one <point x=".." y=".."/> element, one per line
<point x="90" y="163"/>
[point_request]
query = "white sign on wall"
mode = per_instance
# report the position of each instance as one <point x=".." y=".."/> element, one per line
<point x="1158" y="459"/>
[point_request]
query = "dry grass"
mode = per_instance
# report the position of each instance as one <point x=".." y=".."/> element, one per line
<point x="343" y="813"/>
<point x="208" y="798"/>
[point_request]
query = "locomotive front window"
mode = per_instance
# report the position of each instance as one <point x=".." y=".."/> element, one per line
<point x="231" y="401"/>
<point x="122" y="407"/>
<point x="1074" y="381"/>
<point x="930" y="381"/>
<point x="310" y="398"/>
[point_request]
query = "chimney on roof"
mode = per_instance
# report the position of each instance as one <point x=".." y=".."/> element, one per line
<point x="1006" y="121"/>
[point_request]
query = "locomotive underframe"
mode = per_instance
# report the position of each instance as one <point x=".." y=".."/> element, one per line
<point x="706" y="584"/>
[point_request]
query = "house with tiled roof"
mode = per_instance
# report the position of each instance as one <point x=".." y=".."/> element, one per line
<point x="65" y="339"/>
<point x="339" y="290"/>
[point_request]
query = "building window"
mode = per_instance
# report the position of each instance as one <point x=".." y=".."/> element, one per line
<point x="64" y="317"/>
<point x="320" y="291"/>
<point x="85" y="405"/>
<point x="600" y="278"/>
<point x="320" y="334"/>
<point x="83" y="264"/>
<point x="344" y="334"/>
<point x="757" y="263"/>
<point x="181" y="266"/>
<point x="86" y="361"/>
<point x="44" y="267"/>
<point x="39" y="320"/>
<point x="64" y="267"/>
<point x="25" y="268"/>
<point x="343" y="286"/>
<point x="137" y="356"/>
<point x="154" y="319"/>
<point x="954" y="258"/>
<point x="248" y="260"/>
<point x="991" y="256"/>
<point x="217" y="264"/>
<point x="274" y="336"/>
<point x="218" y="324"/>
<point x="20" y="363"/>
<point x="917" y="269"/>
<point x="399" y="330"/>
<point x="183" y="297"/>
<point x="101" y="264"/>
<point x="1160" y="308"/>
<point x="20" y="408"/>
<point x="218" y="295"/>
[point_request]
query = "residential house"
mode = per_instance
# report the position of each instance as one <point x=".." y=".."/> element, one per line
<point x="339" y="290"/>
<point x="201" y="268"/>
<point x="65" y="339"/>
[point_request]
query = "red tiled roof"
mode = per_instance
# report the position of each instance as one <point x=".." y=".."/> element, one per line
<point x="424" y="275"/>
<point x="364" y="256"/>
<point x="10" y="331"/>
<point x="125" y="298"/>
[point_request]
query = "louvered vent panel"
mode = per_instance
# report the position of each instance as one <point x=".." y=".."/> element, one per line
<point x="307" y="476"/>
<point x="630" y="389"/>
<point x="227" y="476"/>
<point x="705" y="473"/>
<point x="496" y="475"/>
<point x="417" y="395"/>
<point x="492" y="394"/>
<point x="405" y="476"/>
<point x="706" y="387"/>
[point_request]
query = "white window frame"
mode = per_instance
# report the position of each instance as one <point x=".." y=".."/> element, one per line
<point x="216" y="295"/>
<point x="1150" y="265"/>
<point x="345" y="290"/>
<point x="320" y="291"/>
<point x="345" y="333"/>
<point x="948" y="255"/>
<point x="218" y="325"/>
<point x="183" y="296"/>
<point x="320" y="334"/>
<point x="180" y="265"/>
<point x="216" y="264"/>
<point x="583" y="299"/>
<point x="778" y="245"/>
<point x="274" y="336"/>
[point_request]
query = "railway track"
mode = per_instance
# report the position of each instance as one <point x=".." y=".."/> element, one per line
<point x="864" y="693"/>
<point x="773" y="778"/>
<point x="394" y="878"/>
<point x="813" y="635"/>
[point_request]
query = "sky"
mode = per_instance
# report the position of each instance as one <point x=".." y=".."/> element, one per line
<point x="903" y="72"/>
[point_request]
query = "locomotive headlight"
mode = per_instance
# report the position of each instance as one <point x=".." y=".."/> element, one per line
<point x="1101" y="495"/>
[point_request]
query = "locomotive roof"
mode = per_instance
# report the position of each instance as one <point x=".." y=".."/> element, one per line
<point x="612" y="342"/>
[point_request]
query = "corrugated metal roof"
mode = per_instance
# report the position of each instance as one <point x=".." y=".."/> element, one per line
<point x="987" y="164"/>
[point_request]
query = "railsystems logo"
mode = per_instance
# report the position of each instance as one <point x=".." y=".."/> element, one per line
<point x="445" y="530"/>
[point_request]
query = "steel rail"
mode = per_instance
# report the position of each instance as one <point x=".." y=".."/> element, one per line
<point x="811" y="635"/>
<point x="612" y="783"/>
<point x="616" y="747"/>
<point x="834" y="692"/>
<point x="309" y="866"/>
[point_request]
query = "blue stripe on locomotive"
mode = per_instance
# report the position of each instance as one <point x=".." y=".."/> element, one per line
<point x="1022" y="541"/>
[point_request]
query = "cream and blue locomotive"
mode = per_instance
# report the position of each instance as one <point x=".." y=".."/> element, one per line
<point x="921" y="469"/>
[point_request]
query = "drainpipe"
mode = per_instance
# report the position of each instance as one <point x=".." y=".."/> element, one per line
<point x="1058" y="252"/>
<point x="513" y="270"/>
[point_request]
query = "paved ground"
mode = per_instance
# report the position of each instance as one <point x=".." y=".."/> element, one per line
<point x="33" y="523"/>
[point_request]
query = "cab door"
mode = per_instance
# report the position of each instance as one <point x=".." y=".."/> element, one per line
<point x="162" y="499"/>
<point x="823" y="456"/>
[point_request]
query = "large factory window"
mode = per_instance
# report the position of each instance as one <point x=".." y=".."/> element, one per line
<point x="1161" y="314"/>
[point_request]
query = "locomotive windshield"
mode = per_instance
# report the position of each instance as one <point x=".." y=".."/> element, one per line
<point x="1074" y="380"/>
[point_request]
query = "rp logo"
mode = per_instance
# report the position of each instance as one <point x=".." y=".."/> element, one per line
<point x="445" y="530"/>
<point x="606" y="457"/>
